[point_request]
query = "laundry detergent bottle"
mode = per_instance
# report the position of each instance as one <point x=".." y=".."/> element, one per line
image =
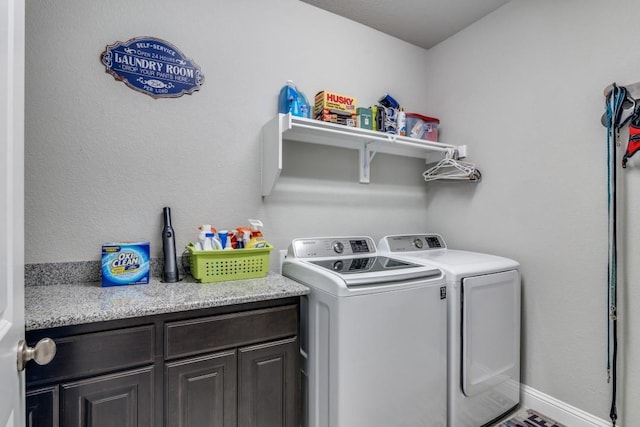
<point x="293" y="101"/>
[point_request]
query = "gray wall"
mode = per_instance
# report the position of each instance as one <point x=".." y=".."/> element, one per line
<point x="523" y="88"/>
<point x="102" y="160"/>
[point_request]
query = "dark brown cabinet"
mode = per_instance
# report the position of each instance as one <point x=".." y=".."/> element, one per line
<point x="42" y="407"/>
<point x="201" y="391"/>
<point x="124" y="399"/>
<point x="267" y="384"/>
<point x="221" y="367"/>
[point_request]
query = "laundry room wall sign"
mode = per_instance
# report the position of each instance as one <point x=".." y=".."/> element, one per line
<point x="152" y="66"/>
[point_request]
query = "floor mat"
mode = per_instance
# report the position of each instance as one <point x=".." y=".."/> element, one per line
<point x="529" y="418"/>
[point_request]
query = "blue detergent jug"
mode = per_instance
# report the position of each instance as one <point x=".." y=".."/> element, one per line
<point x="293" y="101"/>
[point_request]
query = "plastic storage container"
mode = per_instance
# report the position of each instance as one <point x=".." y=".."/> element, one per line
<point x="220" y="266"/>
<point x="422" y="127"/>
<point x="291" y="100"/>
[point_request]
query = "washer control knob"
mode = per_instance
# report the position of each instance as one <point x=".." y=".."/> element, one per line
<point x="338" y="247"/>
<point x="338" y="265"/>
<point x="417" y="243"/>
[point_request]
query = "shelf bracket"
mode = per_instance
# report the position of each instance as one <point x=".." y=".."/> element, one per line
<point x="272" y="151"/>
<point x="366" y="157"/>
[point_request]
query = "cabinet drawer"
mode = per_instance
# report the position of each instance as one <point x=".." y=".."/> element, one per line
<point x="95" y="353"/>
<point x="208" y="334"/>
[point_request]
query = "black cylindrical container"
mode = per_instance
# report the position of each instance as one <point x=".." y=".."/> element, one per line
<point x="170" y="267"/>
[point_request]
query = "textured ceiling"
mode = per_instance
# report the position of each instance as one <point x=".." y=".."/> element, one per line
<point x="424" y="23"/>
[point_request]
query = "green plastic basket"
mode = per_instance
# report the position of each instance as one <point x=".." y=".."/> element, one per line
<point x="220" y="265"/>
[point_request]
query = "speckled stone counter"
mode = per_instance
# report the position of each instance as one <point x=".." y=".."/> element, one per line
<point x="72" y="304"/>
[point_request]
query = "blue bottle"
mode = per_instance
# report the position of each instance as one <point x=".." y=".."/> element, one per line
<point x="293" y="101"/>
<point x="303" y="106"/>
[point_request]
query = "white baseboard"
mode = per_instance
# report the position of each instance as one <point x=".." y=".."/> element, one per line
<point x="558" y="410"/>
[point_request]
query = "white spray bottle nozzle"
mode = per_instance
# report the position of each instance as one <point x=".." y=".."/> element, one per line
<point x="255" y="224"/>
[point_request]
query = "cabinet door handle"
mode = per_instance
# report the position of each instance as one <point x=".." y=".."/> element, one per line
<point x="43" y="352"/>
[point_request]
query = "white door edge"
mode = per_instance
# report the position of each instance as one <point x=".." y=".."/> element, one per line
<point x="12" y="48"/>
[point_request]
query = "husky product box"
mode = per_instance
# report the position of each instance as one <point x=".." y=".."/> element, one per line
<point x="332" y="107"/>
<point x="341" y="119"/>
<point x="125" y="263"/>
<point x="422" y="127"/>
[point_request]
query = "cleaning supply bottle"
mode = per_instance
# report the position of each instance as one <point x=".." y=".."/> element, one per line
<point x="254" y="225"/>
<point x="288" y="98"/>
<point x="216" y="242"/>
<point x="202" y="235"/>
<point x="243" y="235"/>
<point x="233" y="237"/>
<point x="293" y="101"/>
<point x="257" y="240"/>
<point x="228" y="245"/>
<point x="207" y="245"/>
<point x="402" y="123"/>
<point x="304" y="106"/>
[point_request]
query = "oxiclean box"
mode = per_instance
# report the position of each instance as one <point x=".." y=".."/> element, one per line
<point x="125" y="263"/>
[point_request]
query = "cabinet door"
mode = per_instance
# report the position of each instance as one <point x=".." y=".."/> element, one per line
<point x="267" y="385"/>
<point x="43" y="407"/>
<point x="201" y="391"/>
<point x="123" y="399"/>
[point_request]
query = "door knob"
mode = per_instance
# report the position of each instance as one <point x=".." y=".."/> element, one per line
<point x="43" y="352"/>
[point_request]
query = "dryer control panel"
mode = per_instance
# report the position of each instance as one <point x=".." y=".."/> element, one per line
<point x="332" y="247"/>
<point x="413" y="243"/>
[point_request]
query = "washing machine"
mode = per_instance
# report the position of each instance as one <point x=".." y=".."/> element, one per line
<point x="373" y="336"/>
<point x="483" y="293"/>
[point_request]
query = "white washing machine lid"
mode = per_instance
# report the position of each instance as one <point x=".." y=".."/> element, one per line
<point x="342" y="285"/>
<point x="358" y="271"/>
<point x="347" y="266"/>
<point x="430" y="249"/>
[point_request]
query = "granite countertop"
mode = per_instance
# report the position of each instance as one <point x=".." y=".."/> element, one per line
<point x="72" y="304"/>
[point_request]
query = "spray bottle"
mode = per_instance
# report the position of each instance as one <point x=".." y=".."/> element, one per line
<point x="170" y="267"/>
<point x="243" y="236"/>
<point x="402" y="123"/>
<point x="202" y="236"/>
<point x="257" y="240"/>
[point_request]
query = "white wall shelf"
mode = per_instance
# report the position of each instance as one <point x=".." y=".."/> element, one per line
<point x="367" y="142"/>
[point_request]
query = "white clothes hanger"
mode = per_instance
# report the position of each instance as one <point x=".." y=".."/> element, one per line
<point x="452" y="169"/>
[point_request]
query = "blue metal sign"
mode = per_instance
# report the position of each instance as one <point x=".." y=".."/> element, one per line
<point x="152" y="66"/>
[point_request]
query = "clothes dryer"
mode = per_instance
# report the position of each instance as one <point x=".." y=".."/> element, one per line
<point x="483" y="339"/>
<point x="373" y="336"/>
